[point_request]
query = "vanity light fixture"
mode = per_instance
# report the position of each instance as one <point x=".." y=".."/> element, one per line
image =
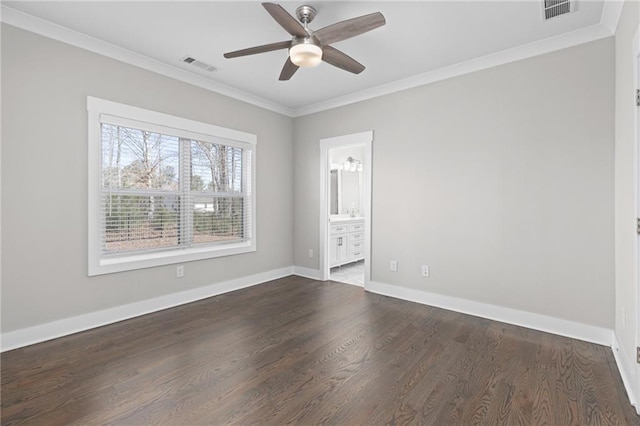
<point x="352" y="165"/>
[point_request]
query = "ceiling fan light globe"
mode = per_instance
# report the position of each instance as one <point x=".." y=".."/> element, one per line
<point x="305" y="55"/>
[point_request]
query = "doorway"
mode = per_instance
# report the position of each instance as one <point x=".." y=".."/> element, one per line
<point x="345" y="208"/>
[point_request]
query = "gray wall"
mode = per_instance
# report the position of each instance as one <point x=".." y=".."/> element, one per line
<point x="626" y="196"/>
<point x="500" y="180"/>
<point x="44" y="180"/>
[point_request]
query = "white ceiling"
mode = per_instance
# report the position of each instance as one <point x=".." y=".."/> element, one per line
<point x="419" y="37"/>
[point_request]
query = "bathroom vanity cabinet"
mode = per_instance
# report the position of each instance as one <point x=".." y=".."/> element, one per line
<point x="346" y="242"/>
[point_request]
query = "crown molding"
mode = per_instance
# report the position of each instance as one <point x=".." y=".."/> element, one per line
<point x="606" y="28"/>
<point x="611" y="12"/>
<point x="562" y="41"/>
<point x="92" y="44"/>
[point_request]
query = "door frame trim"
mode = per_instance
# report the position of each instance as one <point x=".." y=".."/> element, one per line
<point x="364" y="139"/>
<point x="636" y="72"/>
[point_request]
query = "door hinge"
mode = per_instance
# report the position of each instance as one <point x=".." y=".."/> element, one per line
<point x="638" y="354"/>
<point x="637" y="97"/>
<point x="638" y="228"/>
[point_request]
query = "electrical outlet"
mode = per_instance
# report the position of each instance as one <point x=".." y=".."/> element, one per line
<point x="310" y="253"/>
<point x="394" y="266"/>
<point x="180" y="271"/>
<point x="425" y="270"/>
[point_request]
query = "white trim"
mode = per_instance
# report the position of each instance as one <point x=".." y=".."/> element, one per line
<point x="367" y="206"/>
<point x="43" y="332"/>
<point x="83" y="41"/>
<point x="92" y="44"/>
<point x="168" y="257"/>
<point x="636" y="185"/>
<point x="100" y="111"/>
<point x="301" y="271"/>
<point x="323" y="252"/>
<point x="52" y="330"/>
<point x="0" y="175"/>
<point x="626" y="369"/>
<point x="364" y="139"/>
<point x="562" y="327"/>
<point x="540" y="47"/>
<point x="164" y="121"/>
<point x="611" y="12"/>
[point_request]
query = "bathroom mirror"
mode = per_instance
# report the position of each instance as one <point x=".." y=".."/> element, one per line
<point x="345" y="193"/>
<point x="350" y="193"/>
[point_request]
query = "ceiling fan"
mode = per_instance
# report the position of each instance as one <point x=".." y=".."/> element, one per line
<point x="308" y="48"/>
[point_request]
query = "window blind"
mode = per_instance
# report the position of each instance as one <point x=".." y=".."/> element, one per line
<point x="165" y="192"/>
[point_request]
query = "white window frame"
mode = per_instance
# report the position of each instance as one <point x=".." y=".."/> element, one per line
<point x="99" y="111"/>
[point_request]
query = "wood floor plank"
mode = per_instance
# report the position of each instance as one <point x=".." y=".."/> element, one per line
<point x="299" y="351"/>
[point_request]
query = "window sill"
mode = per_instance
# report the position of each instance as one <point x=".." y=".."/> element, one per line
<point x="148" y="260"/>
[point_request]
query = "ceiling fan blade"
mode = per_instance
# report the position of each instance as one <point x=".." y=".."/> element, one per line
<point x="349" y="28"/>
<point x="286" y="21"/>
<point x="288" y="70"/>
<point x="259" y="49"/>
<point x="338" y="59"/>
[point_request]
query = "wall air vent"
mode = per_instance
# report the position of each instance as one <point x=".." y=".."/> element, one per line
<point x="553" y="8"/>
<point x="203" y="66"/>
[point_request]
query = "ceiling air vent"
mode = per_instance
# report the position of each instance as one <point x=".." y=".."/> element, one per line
<point x="193" y="61"/>
<point x="553" y="8"/>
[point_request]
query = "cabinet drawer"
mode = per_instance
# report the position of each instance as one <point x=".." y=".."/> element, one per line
<point x="357" y="236"/>
<point x="356" y="255"/>
<point x="356" y="246"/>
<point x="339" y="229"/>
<point x="357" y="227"/>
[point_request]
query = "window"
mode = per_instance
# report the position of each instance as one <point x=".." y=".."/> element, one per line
<point x="164" y="189"/>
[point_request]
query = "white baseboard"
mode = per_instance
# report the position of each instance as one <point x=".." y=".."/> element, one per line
<point x="314" y="274"/>
<point x="627" y="372"/>
<point x="562" y="327"/>
<point x="43" y="332"/>
<point x="64" y="327"/>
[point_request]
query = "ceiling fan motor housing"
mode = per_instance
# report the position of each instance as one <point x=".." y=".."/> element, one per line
<point x="306" y="14"/>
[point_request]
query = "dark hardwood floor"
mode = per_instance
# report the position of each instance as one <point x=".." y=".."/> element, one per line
<point x="305" y="352"/>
